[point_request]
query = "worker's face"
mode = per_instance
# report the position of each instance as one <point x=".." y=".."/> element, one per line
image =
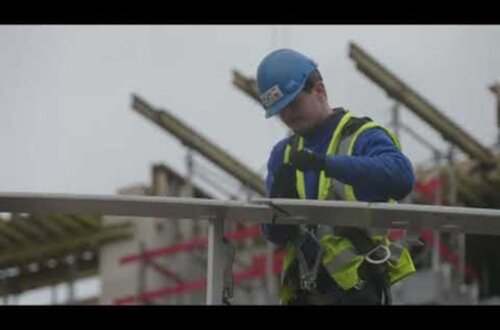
<point x="305" y="111"/>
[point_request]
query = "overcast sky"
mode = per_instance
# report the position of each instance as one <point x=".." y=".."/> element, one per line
<point x="67" y="124"/>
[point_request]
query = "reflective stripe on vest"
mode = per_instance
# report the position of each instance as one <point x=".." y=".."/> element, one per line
<point x="341" y="260"/>
<point x="340" y="257"/>
<point x="346" y="147"/>
<point x="324" y="182"/>
<point x="400" y="263"/>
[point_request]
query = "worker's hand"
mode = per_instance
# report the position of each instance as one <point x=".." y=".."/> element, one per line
<point x="305" y="160"/>
<point x="283" y="183"/>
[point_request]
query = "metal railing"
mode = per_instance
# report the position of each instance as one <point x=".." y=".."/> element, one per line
<point x="279" y="211"/>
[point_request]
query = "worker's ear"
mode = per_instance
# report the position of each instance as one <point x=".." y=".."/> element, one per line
<point x="319" y="89"/>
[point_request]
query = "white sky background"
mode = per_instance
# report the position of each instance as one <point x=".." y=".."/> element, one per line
<point x="67" y="125"/>
<point x="65" y="114"/>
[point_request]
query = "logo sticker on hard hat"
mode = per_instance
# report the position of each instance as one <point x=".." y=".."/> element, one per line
<point x="271" y="96"/>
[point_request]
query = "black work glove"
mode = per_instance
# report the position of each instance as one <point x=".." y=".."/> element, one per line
<point x="283" y="187"/>
<point x="305" y="160"/>
<point x="284" y="183"/>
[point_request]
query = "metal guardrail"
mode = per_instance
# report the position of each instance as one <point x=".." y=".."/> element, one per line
<point x="378" y="215"/>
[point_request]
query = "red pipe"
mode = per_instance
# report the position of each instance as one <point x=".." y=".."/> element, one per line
<point x="194" y="244"/>
<point x="449" y="255"/>
<point x="257" y="270"/>
<point x="163" y="270"/>
<point x="428" y="190"/>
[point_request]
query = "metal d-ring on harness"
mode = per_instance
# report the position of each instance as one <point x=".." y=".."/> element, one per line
<point x="308" y="276"/>
<point x="376" y="257"/>
<point x="380" y="261"/>
<point x="383" y="254"/>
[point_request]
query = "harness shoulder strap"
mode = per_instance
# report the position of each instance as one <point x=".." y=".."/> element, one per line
<point x="353" y="125"/>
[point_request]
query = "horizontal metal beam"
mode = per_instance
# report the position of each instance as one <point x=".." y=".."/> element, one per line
<point x="384" y="215"/>
<point x="198" y="243"/>
<point x="362" y="214"/>
<point x="124" y="205"/>
<point x="403" y="93"/>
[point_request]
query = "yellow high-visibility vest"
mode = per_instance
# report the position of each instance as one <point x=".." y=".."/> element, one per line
<point x="340" y="257"/>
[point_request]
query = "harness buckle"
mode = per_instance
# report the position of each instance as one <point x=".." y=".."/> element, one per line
<point x="358" y="286"/>
<point x="308" y="284"/>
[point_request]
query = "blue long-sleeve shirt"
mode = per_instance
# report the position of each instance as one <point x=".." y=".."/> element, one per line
<point x="377" y="170"/>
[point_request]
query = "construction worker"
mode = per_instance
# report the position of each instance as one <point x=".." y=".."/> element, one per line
<point x="331" y="155"/>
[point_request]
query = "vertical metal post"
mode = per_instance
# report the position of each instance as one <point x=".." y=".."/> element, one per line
<point x="438" y="200"/>
<point x="215" y="269"/>
<point x="141" y="275"/>
<point x="163" y="185"/>
<point x="270" y="279"/>
<point x="186" y="227"/>
<point x="461" y="241"/>
<point x="452" y="175"/>
<point x="438" y="270"/>
<point x="190" y="172"/>
<point x="457" y="239"/>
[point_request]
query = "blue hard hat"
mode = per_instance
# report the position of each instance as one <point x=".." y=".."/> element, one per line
<point x="281" y="76"/>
